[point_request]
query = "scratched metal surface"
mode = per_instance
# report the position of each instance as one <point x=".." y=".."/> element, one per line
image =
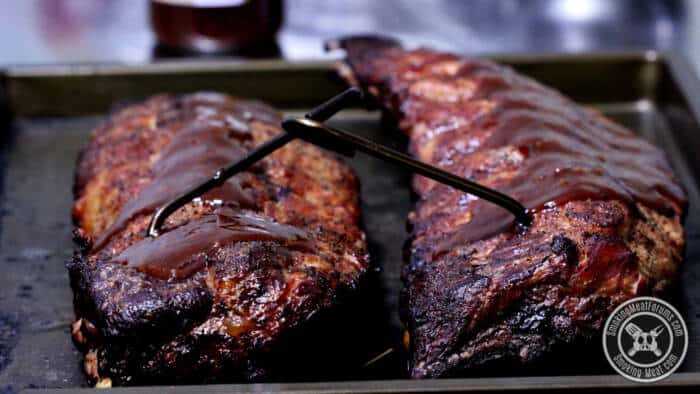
<point x="37" y="160"/>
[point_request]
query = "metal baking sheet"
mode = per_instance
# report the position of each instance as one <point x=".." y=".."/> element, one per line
<point x="46" y="114"/>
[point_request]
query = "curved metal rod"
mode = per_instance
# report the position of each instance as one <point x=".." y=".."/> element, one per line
<point x="320" y="134"/>
<point x="310" y="129"/>
<point x="322" y="112"/>
<point x="216" y="180"/>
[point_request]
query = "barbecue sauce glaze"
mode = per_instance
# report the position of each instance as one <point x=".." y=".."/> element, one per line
<point x="213" y="135"/>
<point x="175" y="253"/>
<point x="568" y="152"/>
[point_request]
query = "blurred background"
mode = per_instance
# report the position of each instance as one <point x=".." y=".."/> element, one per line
<point x="105" y="31"/>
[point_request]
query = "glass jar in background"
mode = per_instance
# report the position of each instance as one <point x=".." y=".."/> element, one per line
<point x="216" y="26"/>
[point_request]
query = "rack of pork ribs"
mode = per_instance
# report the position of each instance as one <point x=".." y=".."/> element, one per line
<point x="232" y="271"/>
<point x="606" y="210"/>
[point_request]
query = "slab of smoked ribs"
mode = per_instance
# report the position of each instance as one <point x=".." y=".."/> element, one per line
<point x="230" y="274"/>
<point x="607" y="210"/>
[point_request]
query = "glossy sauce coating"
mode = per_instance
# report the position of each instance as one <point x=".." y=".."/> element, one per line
<point x="557" y="152"/>
<point x="211" y="142"/>
<point x="171" y="254"/>
<point x="565" y="157"/>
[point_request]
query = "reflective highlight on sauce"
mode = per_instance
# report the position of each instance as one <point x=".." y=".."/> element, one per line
<point x="568" y="152"/>
<point x="181" y="252"/>
<point x="210" y="140"/>
<point x="213" y="133"/>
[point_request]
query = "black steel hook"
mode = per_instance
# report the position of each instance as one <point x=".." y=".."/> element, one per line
<point x="317" y="133"/>
<point x="322" y="112"/>
<point x="310" y="129"/>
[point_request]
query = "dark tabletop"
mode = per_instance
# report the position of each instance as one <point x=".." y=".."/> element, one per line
<point x="104" y="31"/>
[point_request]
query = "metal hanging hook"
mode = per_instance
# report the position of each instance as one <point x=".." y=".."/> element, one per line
<point x="319" y="134"/>
<point x="312" y="130"/>
<point x="322" y="112"/>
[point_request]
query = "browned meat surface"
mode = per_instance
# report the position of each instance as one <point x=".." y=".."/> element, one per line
<point x="607" y="210"/>
<point x="251" y="262"/>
